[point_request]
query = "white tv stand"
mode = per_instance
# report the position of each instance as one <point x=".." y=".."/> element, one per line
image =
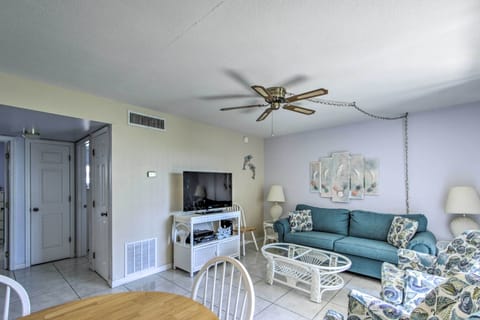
<point x="191" y="256"/>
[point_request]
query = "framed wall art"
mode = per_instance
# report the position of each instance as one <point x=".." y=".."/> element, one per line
<point x="326" y="177"/>
<point x="315" y="176"/>
<point x="344" y="176"/>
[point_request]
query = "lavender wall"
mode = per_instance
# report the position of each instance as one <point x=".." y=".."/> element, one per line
<point x="444" y="151"/>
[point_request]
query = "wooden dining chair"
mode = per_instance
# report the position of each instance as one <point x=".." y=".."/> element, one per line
<point x="244" y="228"/>
<point x="10" y="284"/>
<point x="224" y="286"/>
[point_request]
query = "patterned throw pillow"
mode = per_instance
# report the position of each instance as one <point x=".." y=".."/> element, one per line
<point x="417" y="286"/>
<point x="300" y="220"/>
<point x="401" y="231"/>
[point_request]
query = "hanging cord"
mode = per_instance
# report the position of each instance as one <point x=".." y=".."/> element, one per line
<point x="405" y="137"/>
<point x="407" y="188"/>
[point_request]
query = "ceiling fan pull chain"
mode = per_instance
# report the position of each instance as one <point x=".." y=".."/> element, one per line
<point x="272" y="134"/>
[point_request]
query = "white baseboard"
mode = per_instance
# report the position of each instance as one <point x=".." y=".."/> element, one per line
<point x="139" y="275"/>
<point x="19" y="266"/>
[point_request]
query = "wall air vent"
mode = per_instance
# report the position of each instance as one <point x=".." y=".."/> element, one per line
<point x="140" y="256"/>
<point x="142" y="120"/>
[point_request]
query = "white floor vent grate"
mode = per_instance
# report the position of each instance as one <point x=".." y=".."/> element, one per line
<point x="140" y="255"/>
<point x="142" y="120"/>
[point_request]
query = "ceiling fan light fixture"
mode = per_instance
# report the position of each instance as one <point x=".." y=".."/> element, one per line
<point x="275" y="98"/>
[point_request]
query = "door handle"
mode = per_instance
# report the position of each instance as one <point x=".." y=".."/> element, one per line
<point x="35" y="209"/>
<point x="104" y="214"/>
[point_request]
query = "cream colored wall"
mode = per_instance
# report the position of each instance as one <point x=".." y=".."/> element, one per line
<point x="141" y="206"/>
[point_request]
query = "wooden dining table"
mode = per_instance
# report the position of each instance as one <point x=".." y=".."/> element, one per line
<point x="128" y="305"/>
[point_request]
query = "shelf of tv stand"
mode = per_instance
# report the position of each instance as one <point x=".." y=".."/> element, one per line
<point x="190" y="256"/>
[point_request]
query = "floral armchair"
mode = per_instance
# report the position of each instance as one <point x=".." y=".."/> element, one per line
<point x="416" y="295"/>
<point x="461" y="255"/>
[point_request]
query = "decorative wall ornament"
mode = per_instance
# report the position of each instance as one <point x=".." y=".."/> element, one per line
<point x="371" y="177"/>
<point x="326" y="177"/>
<point x="247" y="163"/>
<point x="344" y="176"/>
<point x="315" y="176"/>
<point x="341" y="176"/>
<point x="357" y="175"/>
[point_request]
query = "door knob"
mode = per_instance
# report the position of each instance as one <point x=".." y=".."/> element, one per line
<point x="104" y="214"/>
<point x="35" y="209"/>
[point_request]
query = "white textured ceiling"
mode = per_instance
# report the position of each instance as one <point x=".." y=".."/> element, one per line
<point x="192" y="57"/>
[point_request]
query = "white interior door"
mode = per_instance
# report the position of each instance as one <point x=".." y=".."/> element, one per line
<point x="83" y="186"/>
<point x="100" y="191"/>
<point x="50" y="201"/>
<point x="6" y="206"/>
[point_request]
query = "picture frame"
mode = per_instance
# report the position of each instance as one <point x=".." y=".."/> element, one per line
<point x="357" y="174"/>
<point x="315" y="176"/>
<point x="371" y="177"/>
<point x="340" y="176"/>
<point x="326" y="177"/>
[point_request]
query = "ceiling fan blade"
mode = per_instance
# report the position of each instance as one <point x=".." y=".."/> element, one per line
<point x="294" y="80"/>
<point x="299" y="109"/>
<point x="263" y="92"/>
<point x="244" y="107"/>
<point x="238" y="77"/>
<point x="264" y="114"/>
<point x="306" y="95"/>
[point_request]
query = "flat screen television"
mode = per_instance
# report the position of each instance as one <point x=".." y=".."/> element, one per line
<point x="206" y="191"/>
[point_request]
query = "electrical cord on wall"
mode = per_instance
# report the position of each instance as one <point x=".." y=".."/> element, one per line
<point x="371" y="115"/>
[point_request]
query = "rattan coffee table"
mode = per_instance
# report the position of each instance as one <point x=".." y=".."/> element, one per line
<point x="313" y="271"/>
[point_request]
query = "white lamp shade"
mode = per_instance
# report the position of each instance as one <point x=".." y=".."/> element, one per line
<point x="462" y="200"/>
<point x="276" y="194"/>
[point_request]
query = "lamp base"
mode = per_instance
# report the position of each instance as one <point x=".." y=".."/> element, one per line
<point x="276" y="211"/>
<point x="460" y="224"/>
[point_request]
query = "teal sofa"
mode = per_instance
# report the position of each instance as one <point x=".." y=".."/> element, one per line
<point x="359" y="235"/>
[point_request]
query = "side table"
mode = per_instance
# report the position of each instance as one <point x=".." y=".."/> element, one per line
<point x="269" y="232"/>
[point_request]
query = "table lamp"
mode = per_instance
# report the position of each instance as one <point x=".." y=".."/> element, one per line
<point x="462" y="200"/>
<point x="276" y="195"/>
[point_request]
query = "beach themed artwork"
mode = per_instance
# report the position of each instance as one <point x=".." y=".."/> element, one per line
<point x="341" y="176"/>
<point x="344" y="176"/>
<point x="326" y="177"/>
<point x="371" y="177"/>
<point x="315" y="176"/>
<point x="357" y="167"/>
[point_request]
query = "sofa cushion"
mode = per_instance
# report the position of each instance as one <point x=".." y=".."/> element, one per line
<point x="368" y="248"/>
<point x="300" y="220"/>
<point x="373" y="225"/>
<point x="401" y="231"/>
<point x="314" y="239"/>
<point x="328" y="220"/>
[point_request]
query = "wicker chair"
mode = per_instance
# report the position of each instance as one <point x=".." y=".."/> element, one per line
<point x="10" y="285"/>
<point x="225" y="287"/>
<point x="244" y="228"/>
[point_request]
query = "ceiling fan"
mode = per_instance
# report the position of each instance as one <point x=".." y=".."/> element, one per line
<point x="275" y="97"/>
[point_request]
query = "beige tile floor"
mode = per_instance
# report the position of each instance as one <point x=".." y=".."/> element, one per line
<point x="58" y="282"/>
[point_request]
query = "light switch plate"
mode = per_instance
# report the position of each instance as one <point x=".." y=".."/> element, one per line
<point x="151" y="174"/>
